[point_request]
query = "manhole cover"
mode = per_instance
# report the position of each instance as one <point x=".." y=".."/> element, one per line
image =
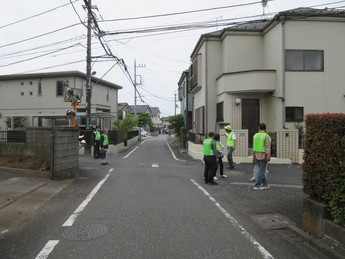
<point x="271" y="221"/>
<point x="84" y="232"/>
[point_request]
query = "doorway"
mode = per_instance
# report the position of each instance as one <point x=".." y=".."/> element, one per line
<point x="250" y="117"/>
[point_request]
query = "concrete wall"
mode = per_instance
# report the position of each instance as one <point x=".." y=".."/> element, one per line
<point x="57" y="146"/>
<point x="65" y="156"/>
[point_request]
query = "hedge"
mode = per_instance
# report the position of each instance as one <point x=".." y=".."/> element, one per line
<point x="324" y="162"/>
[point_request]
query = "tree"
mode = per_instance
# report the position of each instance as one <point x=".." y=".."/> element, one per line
<point x="126" y="124"/>
<point x="18" y="122"/>
<point x="144" y="120"/>
<point x="176" y="123"/>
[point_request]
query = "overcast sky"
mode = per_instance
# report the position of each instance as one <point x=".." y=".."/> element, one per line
<point x="48" y="36"/>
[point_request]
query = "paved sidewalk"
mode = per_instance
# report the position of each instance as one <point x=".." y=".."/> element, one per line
<point x="22" y="193"/>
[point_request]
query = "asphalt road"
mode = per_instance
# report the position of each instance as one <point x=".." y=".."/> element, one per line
<point x="150" y="203"/>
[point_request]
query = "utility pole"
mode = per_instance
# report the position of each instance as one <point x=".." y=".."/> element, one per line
<point x="135" y="84"/>
<point x="88" y="67"/>
<point x="175" y="104"/>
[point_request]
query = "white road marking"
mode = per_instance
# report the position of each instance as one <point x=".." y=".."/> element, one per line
<point x="130" y="152"/>
<point x="271" y="185"/>
<point x="47" y="249"/>
<point x="173" y="152"/>
<point x="69" y="222"/>
<point x="155" y="165"/>
<point x="235" y="223"/>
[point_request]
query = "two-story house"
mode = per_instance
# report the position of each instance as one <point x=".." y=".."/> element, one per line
<point x="273" y="71"/>
<point x="39" y="97"/>
<point x="185" y="99"/>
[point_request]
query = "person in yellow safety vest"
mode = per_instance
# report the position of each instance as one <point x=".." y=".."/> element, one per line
<point x="210" y="159"/>
<point x="230" y="145"/>
<point x="96" y="137"/>
<point x="261" y="155"/>
<point x="104" y="143"/>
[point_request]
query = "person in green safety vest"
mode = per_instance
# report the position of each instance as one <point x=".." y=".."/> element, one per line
<point x="230" y="145"/>
<point x="261" y="155"/>
<point x="96" y="137"/>
<point x="104" y="143"/>
<point x="210" y="159"/>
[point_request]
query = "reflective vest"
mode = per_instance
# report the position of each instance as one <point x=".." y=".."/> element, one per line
<point x="229" y="141"/>
<point x="259" y="142"/>
<point x="97" y="135"/>
<point x="208" y="151"/>
<point x="105" y="140"/>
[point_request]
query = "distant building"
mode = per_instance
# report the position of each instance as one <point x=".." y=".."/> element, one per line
<point x="39" y="97"/>
<point x="156" y="116"/>
<point x="123" y="110"/>
<point x="186" y="100"/>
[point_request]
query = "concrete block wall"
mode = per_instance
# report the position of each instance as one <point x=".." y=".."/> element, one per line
<point x="65" y="153"/>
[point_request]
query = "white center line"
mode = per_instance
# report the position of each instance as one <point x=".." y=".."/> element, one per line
<point x="69" y="222"/>
<point x="47" y="249"/>
<point x="235" y="223"/>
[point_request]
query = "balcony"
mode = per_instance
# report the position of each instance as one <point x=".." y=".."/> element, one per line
<point x="251" y="81"/>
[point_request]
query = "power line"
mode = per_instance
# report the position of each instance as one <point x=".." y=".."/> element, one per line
<point x="36" y="15"/>
<point x="182" y="13"/>
<point x="38" y="36"/>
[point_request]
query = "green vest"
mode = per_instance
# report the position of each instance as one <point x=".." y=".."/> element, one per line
<point x="259" y="142"/>
<point x="105" y="140"/>
<point x="229" y="141"/>
<point x="208" y="151"/>
<point x="97" y="135"/>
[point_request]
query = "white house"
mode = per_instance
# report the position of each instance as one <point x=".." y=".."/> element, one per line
<point x="272" y="71"/>
<point x="40" y="98"/>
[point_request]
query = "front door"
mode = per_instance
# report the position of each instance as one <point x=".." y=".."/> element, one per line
<point x="250" y="117"/>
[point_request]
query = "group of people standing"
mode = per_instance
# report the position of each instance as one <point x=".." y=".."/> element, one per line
<point x="213" y="155"/>
<point x="101" y="144"/>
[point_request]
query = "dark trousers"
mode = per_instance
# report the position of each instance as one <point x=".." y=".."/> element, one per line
<point x="96" y="149"/>
<point x="221" y="166"/>
<point x="211" y="167"/>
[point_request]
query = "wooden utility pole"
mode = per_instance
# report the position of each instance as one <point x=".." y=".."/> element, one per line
<point x="88" y="67"/>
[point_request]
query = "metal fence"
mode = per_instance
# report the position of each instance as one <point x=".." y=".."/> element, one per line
<point x="13" y="136"/>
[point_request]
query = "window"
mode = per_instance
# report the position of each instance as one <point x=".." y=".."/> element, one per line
<point x="294" y="114"/>
<point x="304" y="60"/>
<point x="60" y="86"/>
<point x="30" y="93"/>
<point x="220" y="111"/>
<point x="22" y="93"/>
<point x="108" y="95"/>
<point x="39" y="90"/>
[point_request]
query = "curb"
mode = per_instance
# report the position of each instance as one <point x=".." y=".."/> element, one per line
<point x="325" y="245"/>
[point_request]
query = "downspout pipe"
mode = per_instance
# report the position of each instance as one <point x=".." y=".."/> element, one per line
<point x="206" y="88"/>
<point x="283" y="72"/>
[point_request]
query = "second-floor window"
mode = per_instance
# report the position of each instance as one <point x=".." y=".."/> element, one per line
<point x="304" y="60"/>
<point x="60" y="87"/>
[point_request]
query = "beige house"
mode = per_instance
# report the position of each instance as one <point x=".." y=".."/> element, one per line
<point x="272" y="71"/>
<point x="156" y="116"/>
<point x="39" y="97"/>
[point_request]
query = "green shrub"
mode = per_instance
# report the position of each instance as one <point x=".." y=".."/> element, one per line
<point x="324" y="162"/>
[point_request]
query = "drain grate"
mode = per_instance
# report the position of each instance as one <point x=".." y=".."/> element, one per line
<point x="84" y="232"/>
<point x="271" y="221"/>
